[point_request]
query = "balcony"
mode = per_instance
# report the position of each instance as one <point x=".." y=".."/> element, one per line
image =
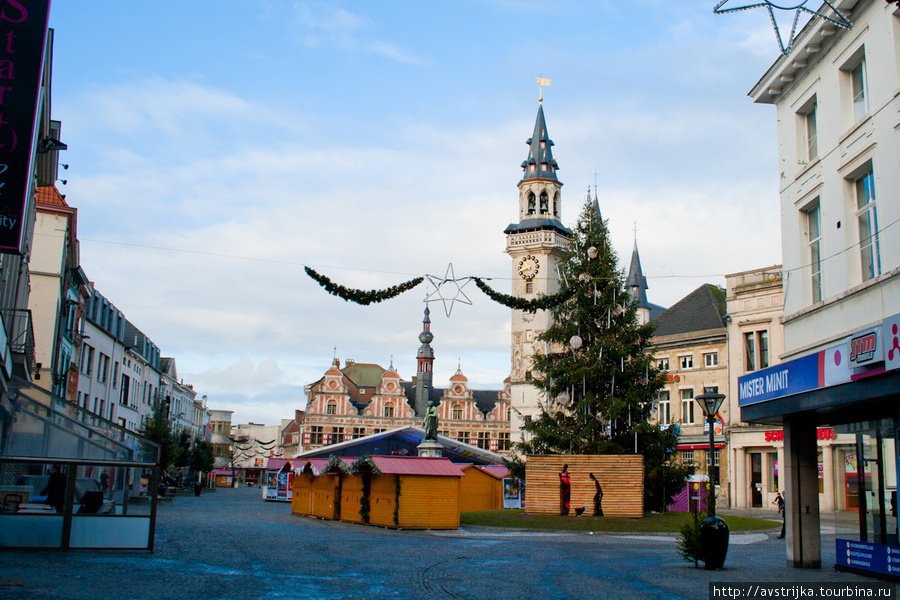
<point x="20" y="331"/>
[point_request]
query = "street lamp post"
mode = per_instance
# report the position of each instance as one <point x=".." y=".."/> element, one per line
<point x="713" y="530"/>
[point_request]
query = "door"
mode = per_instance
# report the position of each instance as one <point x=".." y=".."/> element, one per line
<point x="756" y="479"/>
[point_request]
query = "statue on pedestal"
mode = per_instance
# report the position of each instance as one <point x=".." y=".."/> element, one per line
<point x="430" y="423"/>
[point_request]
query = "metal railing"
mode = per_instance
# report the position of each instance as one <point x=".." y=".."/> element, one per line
<point x="20" y="330"/>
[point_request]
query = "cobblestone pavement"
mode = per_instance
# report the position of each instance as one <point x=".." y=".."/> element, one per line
<point x="232" y="545"/>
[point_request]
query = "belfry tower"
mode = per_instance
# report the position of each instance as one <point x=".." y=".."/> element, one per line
<point x="535" y="244"/>
<point x="424" y="366"/>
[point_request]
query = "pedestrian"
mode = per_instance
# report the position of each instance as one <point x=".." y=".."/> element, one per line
<point x="56" y="489"/>
<point x="104" y="482"/>
<point x="779" y="502"/>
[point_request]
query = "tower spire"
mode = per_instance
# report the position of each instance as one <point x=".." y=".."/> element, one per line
<point x="539" y="163"/>
<point x="425" y="366"/>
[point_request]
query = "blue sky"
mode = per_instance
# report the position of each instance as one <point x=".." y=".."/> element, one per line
<point x="217" y="146"/>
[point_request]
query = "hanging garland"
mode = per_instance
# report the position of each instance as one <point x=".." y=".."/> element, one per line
<point x="542" y="303"/>
<point x="361" y="296"/>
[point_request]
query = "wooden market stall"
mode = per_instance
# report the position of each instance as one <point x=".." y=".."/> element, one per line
<point x="480" y="489"/>
<point x="391" y="491"/>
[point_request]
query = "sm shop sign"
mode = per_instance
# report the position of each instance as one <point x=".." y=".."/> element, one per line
<point x="23" y="33"/>
<point x="792" y="377"/>
<point x="822" y="433"/>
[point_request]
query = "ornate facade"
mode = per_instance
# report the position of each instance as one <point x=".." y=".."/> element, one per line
<point x="364" y="398"/>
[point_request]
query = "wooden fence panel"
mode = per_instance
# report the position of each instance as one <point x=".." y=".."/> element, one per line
<point x="621" y="478"/>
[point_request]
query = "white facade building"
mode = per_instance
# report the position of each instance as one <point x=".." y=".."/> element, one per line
<point x="837" y="99"/>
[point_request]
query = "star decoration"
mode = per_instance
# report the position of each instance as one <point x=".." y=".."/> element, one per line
<point x="448" y="290"/>
<point x="799" y="8"/>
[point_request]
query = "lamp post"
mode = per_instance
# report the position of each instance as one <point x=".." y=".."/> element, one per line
<point x="713" y="530"/>
<point x="710" y="401"/>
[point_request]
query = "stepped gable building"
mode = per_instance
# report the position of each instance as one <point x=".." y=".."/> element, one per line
<point x="535" y="243"/>
<point x="690" y="345"/>
<point x="365" y="398"/>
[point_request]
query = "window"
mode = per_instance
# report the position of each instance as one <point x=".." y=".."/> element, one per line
<point x="544" y="201"/>
<point x="868" y="225"/>
<point x="531" y="202"/>
<point x="315" y="434"/>
<point x="812" y="146"/>
<point x="331" y="409"/>
<point x="763" y="338"/>
<point x="87" y="359"/>
<point x="457" y="413"/>
<point x="389" y="411"/>
<point x="484" y="441"/>
<point x="358" y="432"/>
<point x="337" y="435"/>
<point x="814" y="233"/>
<point x="687" y="362"/>
<point x="503" y="441"/>
<point x="858" y="90"/>
<point x="750" y="351"/>
<point x="662" y="364"/>
<point x="529" y="287"/>
<point x="711" y="359"/>
<point x="717" y="458"/>
<point x="665" y="409"/>
<point x="687" y="457"/>
<point x="102" y="367"/>
<point x="463" y="436"/>
<point x="687" y="406"/>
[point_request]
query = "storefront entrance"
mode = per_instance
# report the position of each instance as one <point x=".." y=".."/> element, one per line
<point x="756" y="479"/>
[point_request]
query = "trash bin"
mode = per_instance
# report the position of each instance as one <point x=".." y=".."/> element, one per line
<point x="713" y="542"/>
<point x="198" y="487"/>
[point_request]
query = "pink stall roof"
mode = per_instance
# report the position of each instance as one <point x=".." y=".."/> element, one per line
<point x="415" y="465"/>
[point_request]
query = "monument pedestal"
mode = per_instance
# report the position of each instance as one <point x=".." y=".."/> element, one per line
<point x="430" y="449"/>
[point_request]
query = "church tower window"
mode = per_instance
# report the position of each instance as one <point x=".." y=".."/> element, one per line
<point x="530" y="203"/>
<point x="544" y="203"/>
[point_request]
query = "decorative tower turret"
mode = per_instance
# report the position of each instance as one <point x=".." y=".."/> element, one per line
<point x="636" y="284"/>
<point x="535" y="244"/>
<point x="424" y="366"/>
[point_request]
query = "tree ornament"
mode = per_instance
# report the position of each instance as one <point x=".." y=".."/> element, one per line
<point x="575" y="342"/>
<point x="592" y="252"/>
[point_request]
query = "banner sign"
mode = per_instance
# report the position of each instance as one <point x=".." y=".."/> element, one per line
<point x="23" y="36"/>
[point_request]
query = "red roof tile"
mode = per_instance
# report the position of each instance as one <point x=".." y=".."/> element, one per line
<point x="48" y="194"/>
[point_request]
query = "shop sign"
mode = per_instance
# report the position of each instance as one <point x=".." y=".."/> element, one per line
<point x="822" y="433"/>
<point x="892" y="338"/>
<point x="865" y="348"/>
<point x="792" y="377"/>
<point x="23" y="33"/>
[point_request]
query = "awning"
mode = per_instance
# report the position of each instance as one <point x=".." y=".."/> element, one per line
<point x="699" y="446"/>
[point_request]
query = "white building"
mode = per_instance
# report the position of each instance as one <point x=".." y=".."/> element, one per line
<point x="837" y="106"/>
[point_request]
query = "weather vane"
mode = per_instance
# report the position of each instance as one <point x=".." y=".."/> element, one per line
<point x="542" y="81"/>
<point x="799" y="7"/>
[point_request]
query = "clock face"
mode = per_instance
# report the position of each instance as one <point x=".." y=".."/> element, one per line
<point x="528" y="267"/>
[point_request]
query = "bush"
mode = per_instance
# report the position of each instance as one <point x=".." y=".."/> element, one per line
<point x="689" y="539"/>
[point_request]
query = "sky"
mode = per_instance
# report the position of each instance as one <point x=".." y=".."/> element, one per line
<point x="216" y="147"/>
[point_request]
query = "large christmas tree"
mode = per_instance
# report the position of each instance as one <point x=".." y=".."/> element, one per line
<point x="596" y="371"/>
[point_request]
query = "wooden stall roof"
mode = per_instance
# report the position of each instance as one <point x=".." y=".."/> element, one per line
<point x="415" y="465"/>
<point x="276" y="464"/>
<point x="483" y="468"/>
<point x="498" y="471"/>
